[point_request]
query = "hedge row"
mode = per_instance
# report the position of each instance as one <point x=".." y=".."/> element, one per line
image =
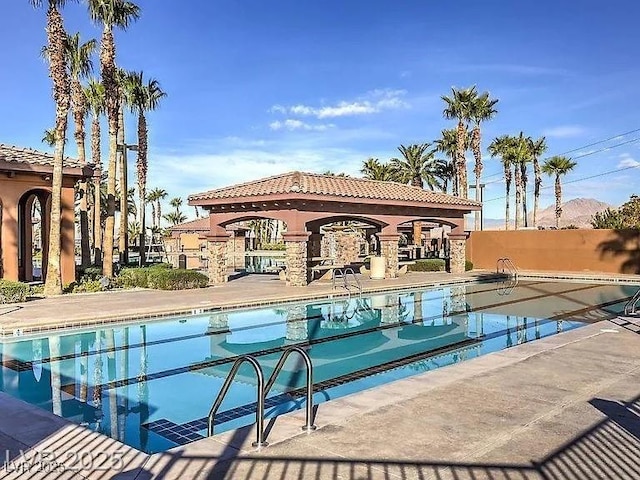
<point x="13" y="292"/>
<point x="161" y="278"/>
<point x="434" y="265"/>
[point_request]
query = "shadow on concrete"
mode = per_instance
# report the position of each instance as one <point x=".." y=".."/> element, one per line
<point x="626" y="244"/>
<point x="609" y="449"/>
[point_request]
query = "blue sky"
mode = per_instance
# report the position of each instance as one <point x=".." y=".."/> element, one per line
<point x="257" y="88"/>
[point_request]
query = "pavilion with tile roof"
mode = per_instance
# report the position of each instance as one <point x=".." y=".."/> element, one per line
<point x="25" y="177"/>
<point x="307" y="201"/>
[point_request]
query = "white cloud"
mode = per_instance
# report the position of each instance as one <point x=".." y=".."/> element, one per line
<point x="627" y="161"/>
<point x="374" y="101"/>
<point x="294" y="124"/>
<point x="565" y="131"/>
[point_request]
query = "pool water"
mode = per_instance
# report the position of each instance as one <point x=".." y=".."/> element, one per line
<point x="151" y="385"/>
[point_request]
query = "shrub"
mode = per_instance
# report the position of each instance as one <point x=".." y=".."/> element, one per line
<point x="468" y="265"/>
<point x="87" y="286"/>
<point x="13" y="292"/>
<point x="273" y="246"/>
<point x="170" y="279"/>
<point x="161" y="277"/>
<point x="133" y="277"/>
<point x="428" y="265"/>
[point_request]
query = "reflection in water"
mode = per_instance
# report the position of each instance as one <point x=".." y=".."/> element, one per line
<point x="143" y="389"/>
<point x="110" y="343"/>
<point x="296" y="326"/>
<point x="56" y="393"/>
<point x="84" y="368"/>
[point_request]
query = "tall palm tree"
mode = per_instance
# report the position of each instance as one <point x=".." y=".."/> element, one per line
<point x="518" y="151"/>
<point x="537" y="149"/>
<point x="111" y="13"/>
<point x="482" y="110"/>
<point x="374" y="169"/>
<point x="123" y="167"/>
<point x="448" y="145"/>
<point x="80" y="66"/>
<point x="459" y="107"/>
<point x="499" y="148"/>
<point x="417" y="167"/>
<point x="94" y="93"/>
<point x="158" y="194"/>
<point x="558" y="166"/>
<point x="152" y="198"/>
<point x="144" y="97"/>
<point x="56" y="52"/>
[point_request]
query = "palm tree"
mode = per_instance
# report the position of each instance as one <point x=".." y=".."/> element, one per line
<point x="459" y="107"/>
<point x="80" y="66"/>
<point x="374" y="169"/>
<point x="94" y="93"/>
<point x="56" y="53"/>
<point x="518" y="151"/>
<point x="157" y="194"/>
<point x="143" y="98"/>
<point x="499" y="148"/>
<point x="482" y="110"/>
<point x="111" y="13"/>
<point x="49" y="137"/>
<point x="448" y="145"/>
<point x="537" y="149"/>
<point x="175" y="218"/>
<point x="152" y="198"/>
<point x="417" y="167"/>
<point x="558" y="166"/>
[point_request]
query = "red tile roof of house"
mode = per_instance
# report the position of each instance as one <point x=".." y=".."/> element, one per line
<point x="300" y="183"/>
<point x="9" y="153"/>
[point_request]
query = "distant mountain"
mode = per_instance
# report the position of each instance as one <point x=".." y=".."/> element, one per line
<point x="576" y="212"/>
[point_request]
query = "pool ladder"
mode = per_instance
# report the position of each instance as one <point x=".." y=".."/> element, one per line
<point x="263" y="391"/>
<point x="345" y="274"/>
<point x="630" y="307"/>
<point x="505" y="265"/>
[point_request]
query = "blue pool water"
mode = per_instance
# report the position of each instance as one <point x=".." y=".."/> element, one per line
<point x="151" y="385"/>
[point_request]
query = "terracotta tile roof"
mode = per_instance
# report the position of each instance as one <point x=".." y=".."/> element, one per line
<point x="201" y="225"/>
<point x="9" y="153"/>
<point x="332" y="186"/>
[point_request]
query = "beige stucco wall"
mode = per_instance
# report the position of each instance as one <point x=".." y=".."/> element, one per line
<point x="613" y="251"/>
<point x="11" y="190"/>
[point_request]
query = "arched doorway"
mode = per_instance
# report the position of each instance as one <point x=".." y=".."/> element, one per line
<point x="33" y="234"/>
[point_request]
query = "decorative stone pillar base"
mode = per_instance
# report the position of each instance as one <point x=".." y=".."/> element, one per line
<point x="296" y="258"/>
<point x="389" y="250"/>
<point x="217" y="253"/>
<point x="391" y="311"/>
<point x="457" y="253"/>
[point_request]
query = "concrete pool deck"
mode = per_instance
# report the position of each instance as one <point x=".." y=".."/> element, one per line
<point x="562" y="407"/>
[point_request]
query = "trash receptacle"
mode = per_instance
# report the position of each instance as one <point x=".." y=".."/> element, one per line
<point x="378" y="268"/>
<point x="182" y="261"/>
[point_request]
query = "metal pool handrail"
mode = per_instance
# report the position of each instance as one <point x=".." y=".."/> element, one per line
<point x="346" y="273"/>
<point x="630" y="307"/>
<point x="506" y="264"/>
<point x="308" y="426"/>
<point x="260" y="442"/>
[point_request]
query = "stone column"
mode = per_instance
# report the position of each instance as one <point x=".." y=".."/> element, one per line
<point x="457" y="253"/>
<point x="217" y="256"/>
<point x="389" y="250"/>
<point x="296" y="258"/>
<point x="297" y="323"/>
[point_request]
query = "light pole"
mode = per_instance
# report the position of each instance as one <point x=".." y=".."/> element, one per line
<point x="123" y="242"/>
<point x="481" y="185"/>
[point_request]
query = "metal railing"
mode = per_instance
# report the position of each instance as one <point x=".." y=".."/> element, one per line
<point x="260" y="442"/>
<point x="345" y="274"/>
<point x="506" y="265"/>
<point x="308" y="426"/>
<point x="630" y="307"/>
<point x="263" y="391"/>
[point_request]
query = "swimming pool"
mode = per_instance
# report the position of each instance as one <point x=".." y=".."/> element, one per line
<point x="151" y="385"/>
